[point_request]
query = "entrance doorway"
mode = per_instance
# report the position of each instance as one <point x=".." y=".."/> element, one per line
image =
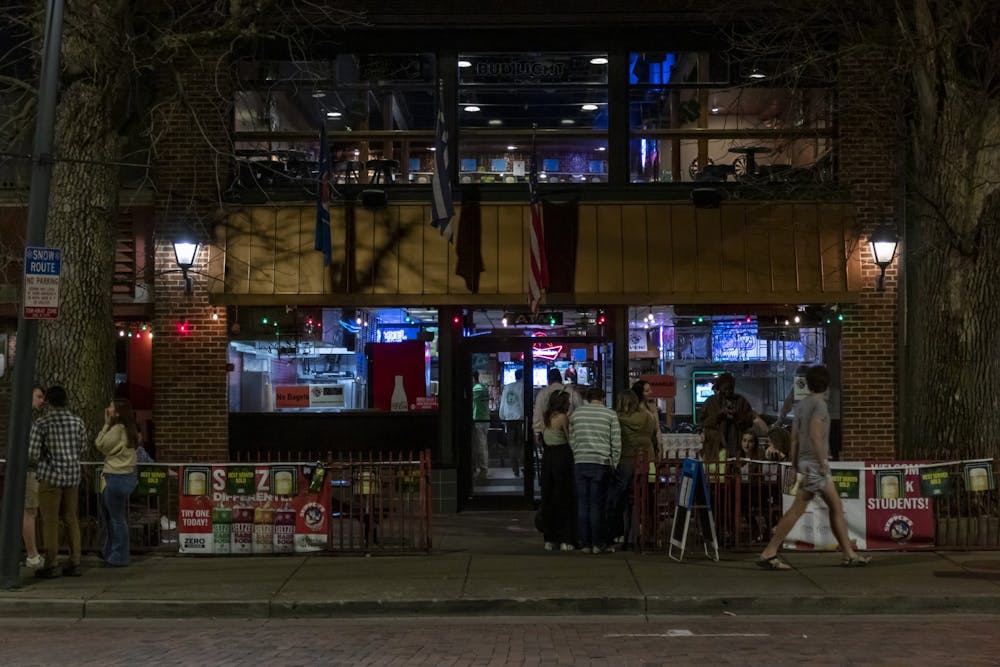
<point x="500" y="377"/>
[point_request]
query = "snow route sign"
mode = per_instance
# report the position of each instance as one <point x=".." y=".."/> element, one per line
<point x="41" y="283"/>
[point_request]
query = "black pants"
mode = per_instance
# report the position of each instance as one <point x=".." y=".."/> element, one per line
<point x="558" y="494"/>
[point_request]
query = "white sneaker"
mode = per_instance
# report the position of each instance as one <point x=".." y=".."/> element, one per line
<point x="566" y="547"/>
<point x="550" y="546"/>
<point x="35" y="563"/>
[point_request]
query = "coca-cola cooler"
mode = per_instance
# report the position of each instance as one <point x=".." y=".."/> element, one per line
<point x="406" y="359"/>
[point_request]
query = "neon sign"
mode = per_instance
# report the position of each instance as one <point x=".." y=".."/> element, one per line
<point x="546" y="352"/>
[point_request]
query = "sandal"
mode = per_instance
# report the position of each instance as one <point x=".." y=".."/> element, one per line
<point x="775" y="562"/>
<point x="857" y="561"/>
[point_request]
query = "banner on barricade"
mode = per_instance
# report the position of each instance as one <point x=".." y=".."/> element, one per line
<point x="260" y="509"/>
<point x="883" y="506"/>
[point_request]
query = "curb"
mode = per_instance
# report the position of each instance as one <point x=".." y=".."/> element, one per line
<point x="616" y="606"/>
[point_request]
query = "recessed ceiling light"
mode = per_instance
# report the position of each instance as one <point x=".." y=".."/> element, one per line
<point x="464" y="63"/>
<point x="495" y="121"/>
<point x="599" y="60"/>
<point x="512" y="148"/>
<point x="568" y="121"/>
<point x="757" y="74"/>
<point x="333" y="114"/>
<point x="318" y="93"/>
<point x="715" y="109"/>
<point x="589" y="107"/>
<point x="432" y="148"/>
<point x="471" y="108"/>
<point x="602" y="148"/>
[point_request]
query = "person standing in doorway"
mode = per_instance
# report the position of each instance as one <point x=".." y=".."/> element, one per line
<point x="542" y="401"/>
<point x="595" y="437"/>
<point x="810" y="454"/>
<point x="512" y="415"/>
<point x="558" y="484"/>
<point x="34" y="559"/>
<point x="57" y="441"/>
<point x="480" y="428"/>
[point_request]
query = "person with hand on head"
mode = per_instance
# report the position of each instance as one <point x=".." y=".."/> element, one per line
<point x="542" y="401"/>
<point x="58" y="439"/>
<point x="34" y="559"/>
<point x="118" y="441"/>
<point x="558" y="479"/>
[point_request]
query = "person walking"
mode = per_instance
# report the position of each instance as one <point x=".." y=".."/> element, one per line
<point x="810" y="452"/>
<point x="558" y="481"/>
<point x="118" y="441"/>
<point x="33" y="559"/>
<point x="56" y="443"/>
<point x="595" y="437"/>
<point x="638" y="430"/>
<point x="480" y="428"/>
<point x="512" y="416"/>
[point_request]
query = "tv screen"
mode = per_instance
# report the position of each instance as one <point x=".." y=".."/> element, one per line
<point x="498" y="164"/>
<point x="414" y="164"/>
<point x="541" y="376"/>
<point x="468" y="164"/>
<point x="702" y="391"/>
<point x="550" y="165"/>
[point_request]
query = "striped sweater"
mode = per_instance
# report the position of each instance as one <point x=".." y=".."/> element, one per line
<point x="595" y="435"/>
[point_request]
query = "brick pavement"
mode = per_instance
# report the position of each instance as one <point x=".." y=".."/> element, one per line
<point x="718" y="640"/>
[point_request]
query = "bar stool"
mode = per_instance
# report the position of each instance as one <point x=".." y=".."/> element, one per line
<point x="383" y="171"/>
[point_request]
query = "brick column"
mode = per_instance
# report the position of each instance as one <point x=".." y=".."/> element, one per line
<point x="190" y="410"/>
<point x="868" y="168"/>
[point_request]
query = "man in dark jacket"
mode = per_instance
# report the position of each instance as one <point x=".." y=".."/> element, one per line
<point x="727" y="413"/>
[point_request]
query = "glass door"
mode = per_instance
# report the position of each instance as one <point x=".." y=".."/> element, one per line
<point x="502" y="377"/>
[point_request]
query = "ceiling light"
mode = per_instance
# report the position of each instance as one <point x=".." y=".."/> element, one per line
<point x="333" y="114"/>
<point x="432" y="148"/>
<point x="715" y="109"/>
<point x="471" y="108"/>
<point x="318" y="93"/>
<point x="495" y="121"/>
<point x="464" y="63"/>
<point x="512" y="148"/>
<point x="589" y="107"/>
<point x="568" y="121"/>
<point x="602" y="148"/>
<point x="757" y="74"/>
<point x="599" y="60"/>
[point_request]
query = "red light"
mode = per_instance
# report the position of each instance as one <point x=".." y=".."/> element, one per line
<point x="748" y="320"/>
<point x="319" y="325"/>
<point x="183" y="328"/>
<point x="601" y="319"/>
<point x="457" y="320"/>
<point x="309" y="321"/>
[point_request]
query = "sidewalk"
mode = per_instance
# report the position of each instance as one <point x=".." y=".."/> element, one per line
<point x="492" y="563"/>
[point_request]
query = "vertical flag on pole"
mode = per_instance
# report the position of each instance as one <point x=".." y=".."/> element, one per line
<point x="538" y="281"/>
<point x="442" y="208"/>
<point x="323" y="241"/>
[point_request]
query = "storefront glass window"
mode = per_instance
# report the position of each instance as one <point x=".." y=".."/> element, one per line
<point x="327" y="359"/>
<point x="766" y="353"/>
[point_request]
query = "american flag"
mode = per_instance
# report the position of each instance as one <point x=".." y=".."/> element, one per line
<point x="538" y="281"/>
<point x="442" y="208"/>
<point x="324" y="186"/>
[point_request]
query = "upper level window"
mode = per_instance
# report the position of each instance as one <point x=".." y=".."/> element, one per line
<point x="519" y="108"/>
<point x="699" y="117"/>
<point x="374" y="106"/>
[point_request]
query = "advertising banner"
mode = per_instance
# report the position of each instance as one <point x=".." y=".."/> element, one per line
<point x="883" y="505"/>
<point x="259" y="509"/>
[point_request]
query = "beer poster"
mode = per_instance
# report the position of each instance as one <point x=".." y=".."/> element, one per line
<point x="252" y="509"/>
<point x="978" y="476"/>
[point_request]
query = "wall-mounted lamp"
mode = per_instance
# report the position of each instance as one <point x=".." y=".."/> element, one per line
<point x="883" y="241"/>
<point x="185" y="250"/>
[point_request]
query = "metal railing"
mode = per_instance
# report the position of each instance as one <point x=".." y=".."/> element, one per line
<point x="378" y="503"/>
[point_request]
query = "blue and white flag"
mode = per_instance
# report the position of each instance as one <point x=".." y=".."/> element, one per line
<point x="442" y="208"/>
<point x="323" y="190"/>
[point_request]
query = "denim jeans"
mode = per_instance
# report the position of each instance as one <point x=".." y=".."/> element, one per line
<point x="117" y="489"/>
<point x="591" y="495"/>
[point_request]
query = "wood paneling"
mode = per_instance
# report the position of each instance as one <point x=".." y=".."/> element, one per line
<point x="754" y="252"/>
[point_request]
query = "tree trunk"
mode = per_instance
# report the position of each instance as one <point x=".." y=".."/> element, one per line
<point x="77" y="350"/>
<point x="953" y="255"/>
